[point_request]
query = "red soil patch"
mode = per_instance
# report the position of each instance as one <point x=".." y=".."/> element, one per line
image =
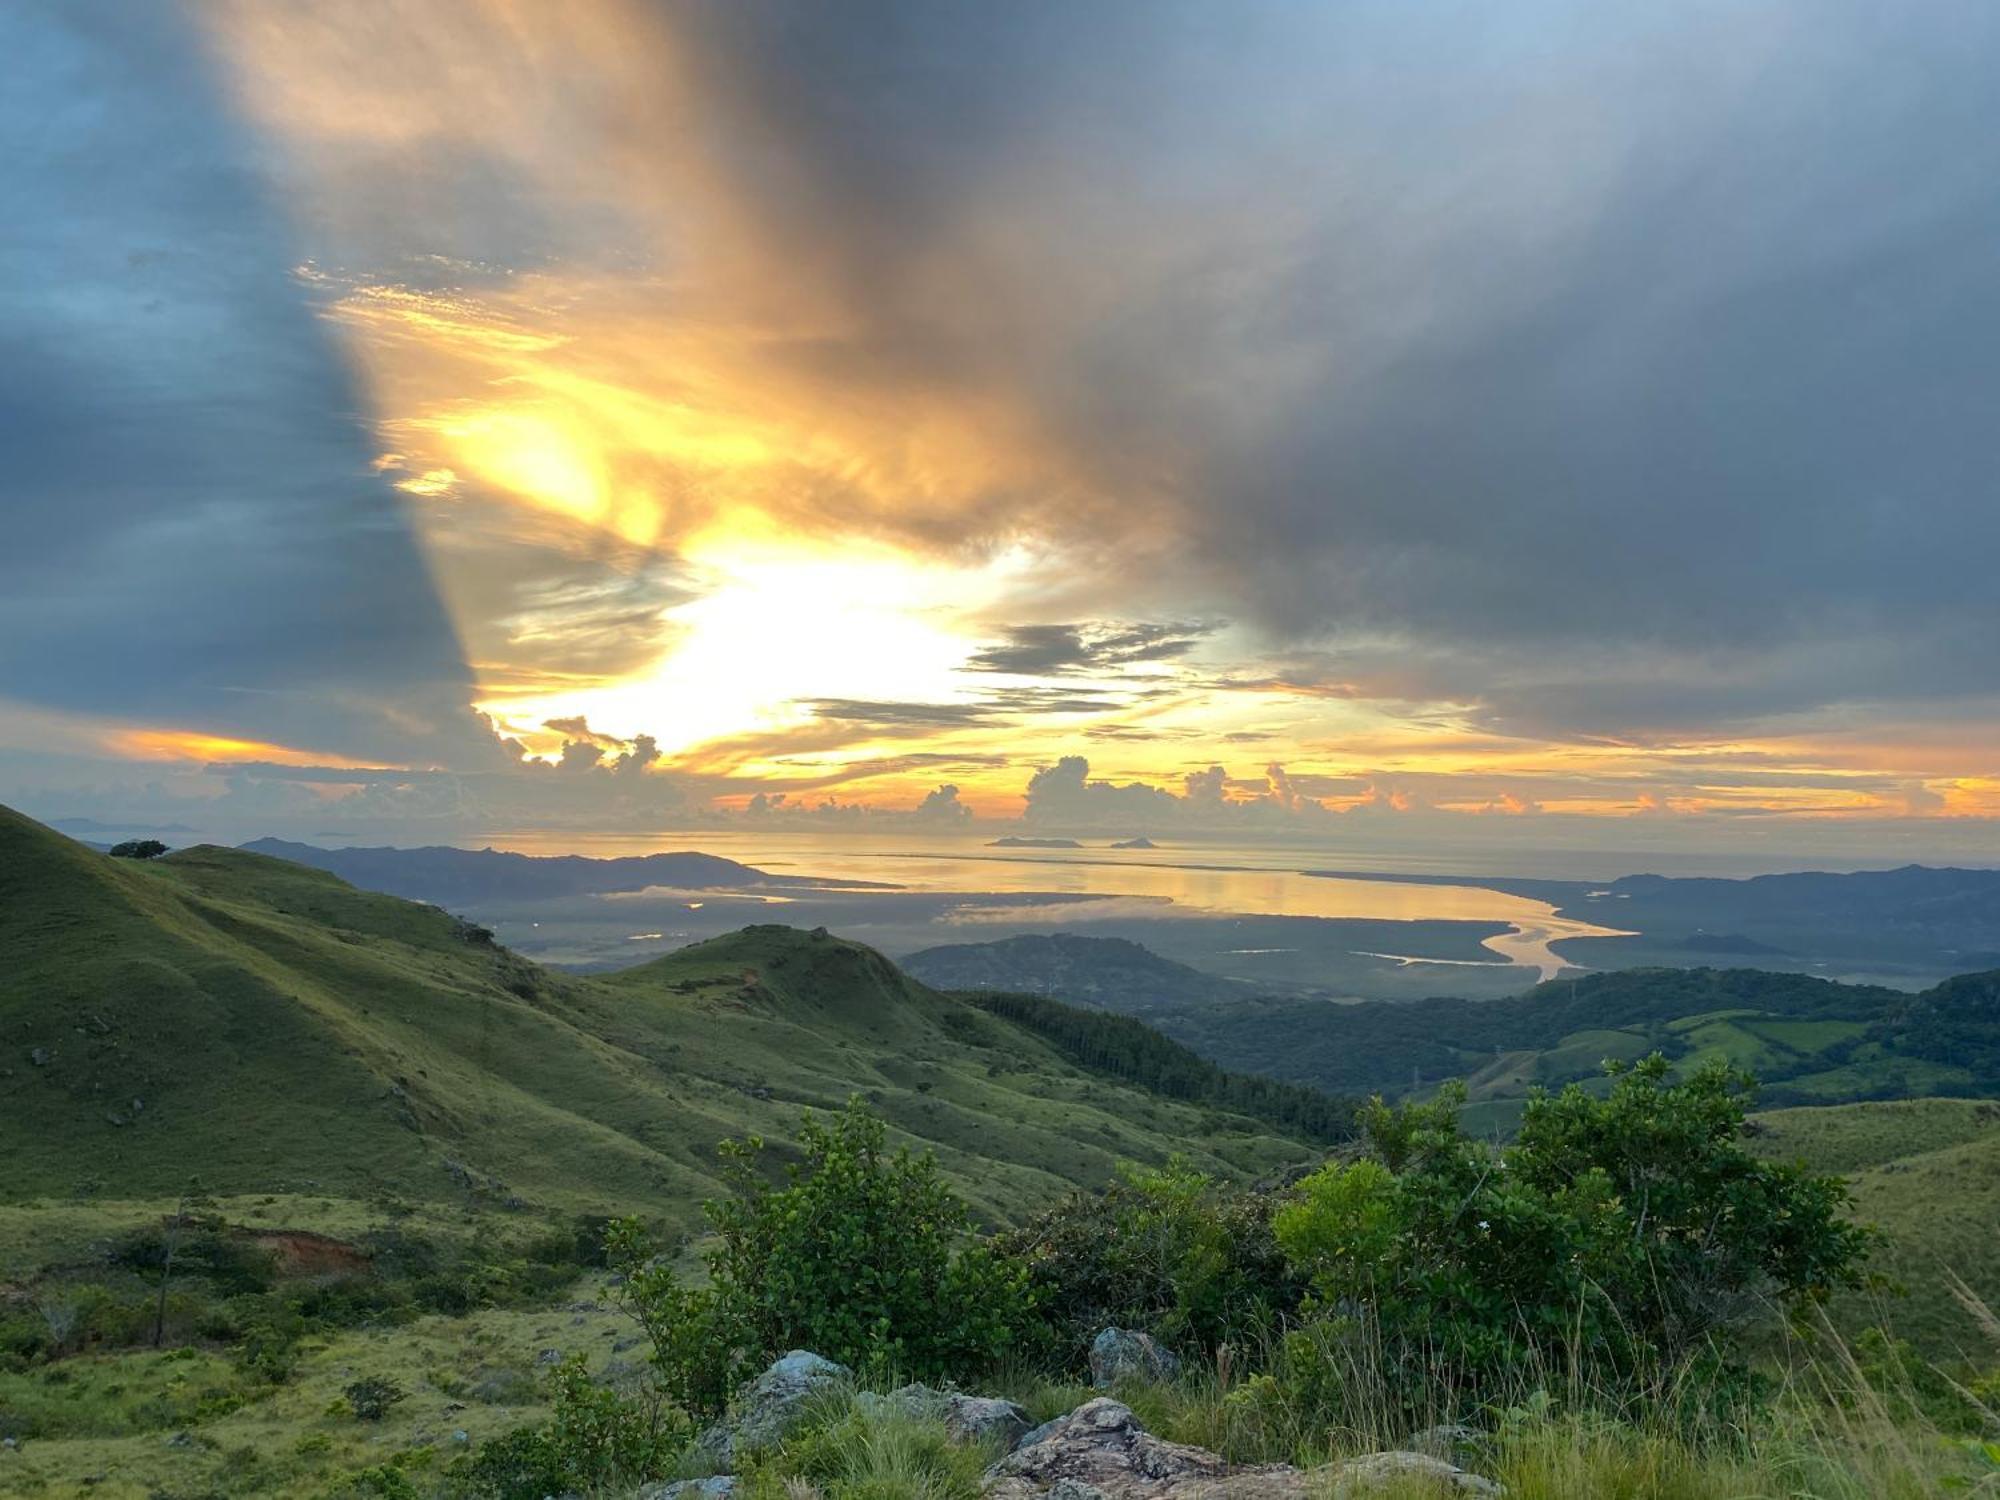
<point x="300" y="1252"/>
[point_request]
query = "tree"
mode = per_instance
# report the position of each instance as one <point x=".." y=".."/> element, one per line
<point x="1632" y="1236"/>
<point x="138" y="849"/>
<point x="59" y="1316"/>
<point x="188" y="1213"/>
<point x="862" y="1256"/>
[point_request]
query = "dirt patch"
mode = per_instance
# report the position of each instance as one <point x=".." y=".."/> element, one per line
<point x="300" y="1252"/>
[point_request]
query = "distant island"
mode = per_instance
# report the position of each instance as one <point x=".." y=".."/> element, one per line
<point x="1014" y="841"/>
<point x="1142" y="842"/>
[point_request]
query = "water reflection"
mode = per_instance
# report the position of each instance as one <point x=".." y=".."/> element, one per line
<point x="1211" y="880"/>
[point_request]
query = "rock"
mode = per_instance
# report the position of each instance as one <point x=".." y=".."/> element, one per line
<point x="1400" y="1473"/>
<point x="968" y="1419"/>
<point x="770" y="1406"/>
<point x="549" y="1357"/>
<point x="1123" y="1354"/>
<point x="505" y="1387"/>
<point x="1449" y="1441"/>
<point x="715" y="1487"/>
<point x="1100" y="1452"/>
<point x="978" y="1419"/>
<point x="39" y="1056"/>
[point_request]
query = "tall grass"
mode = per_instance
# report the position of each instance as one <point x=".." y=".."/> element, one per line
<point x="1838" y="1425"/>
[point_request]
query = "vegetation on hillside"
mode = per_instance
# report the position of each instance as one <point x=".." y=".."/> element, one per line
<point x="1122" y="1047"/>
<point x="272" y="1027"/>
<point x="1808" y="1040"/>
<point x="1586" y="1314"/>
<point x="389" y="1281"/>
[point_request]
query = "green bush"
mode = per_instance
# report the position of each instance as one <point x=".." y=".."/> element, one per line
<point x="1167" y="1251"/>
<point x="879" y="1455"/>
<point x="370" y="1399"/>
<point x="1625" y="1238"/>
<point x="595" y="1439"/>
<point x="862" y="1256"/>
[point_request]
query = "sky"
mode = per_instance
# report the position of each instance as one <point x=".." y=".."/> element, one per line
<point x="1359" y="422"/>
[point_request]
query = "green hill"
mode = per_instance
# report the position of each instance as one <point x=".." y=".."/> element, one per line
<point x="1104" y="973"/>
<point x="1927" y="1171"/>
<point x="270" y="1028"/>
<point x="1809" y="1040"/>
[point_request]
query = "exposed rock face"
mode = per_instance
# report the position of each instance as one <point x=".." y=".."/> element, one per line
<point x="968" y="1419"/>
<point x="1100" y="1452"/>
<point x="770" y="1406"/>
<point x="1122" y="1354"/>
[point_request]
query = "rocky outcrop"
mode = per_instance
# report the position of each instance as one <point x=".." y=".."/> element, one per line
<point x="1100" y="1452"/>
<point x="1124" y="1354"/>
<point x="770" y="1406"/>
<point x="1100" y="1447"/>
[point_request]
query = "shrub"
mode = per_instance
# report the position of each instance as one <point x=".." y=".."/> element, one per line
<point x="862" y="1256"/>
<point x="881" y="1455"/>
<point x="1166" y="1251"/>
<point x="1629" y="1236"/>
<point x="370" y="1399"/>
<point x="138" y="849"/>
<point x="595" y="1439"/>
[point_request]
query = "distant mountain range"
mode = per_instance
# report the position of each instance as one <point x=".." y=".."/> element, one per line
<point x="1811" y="1040"/>
<point x="1916" y="919"/>
<point x="467" y="877"/>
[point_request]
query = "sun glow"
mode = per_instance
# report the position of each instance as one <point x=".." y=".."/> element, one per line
<point x="776" y="627"/>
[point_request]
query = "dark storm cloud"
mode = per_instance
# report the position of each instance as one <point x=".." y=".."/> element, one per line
<point x="1552" y="333"/>
<point x="898" y="716"/>
<point x="193" y="534"/>
<point x="1056" y="650"/>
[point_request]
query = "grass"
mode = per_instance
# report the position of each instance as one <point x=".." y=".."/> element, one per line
<point x="1927" y="1171"/>
<point x="278" y="1032"/>
<point x="474" y="1374"/>
<point x="1828" y="1436"/>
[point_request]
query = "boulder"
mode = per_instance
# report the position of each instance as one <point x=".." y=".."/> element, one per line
<point x="715" y="1487"/>
<point x="968" y="1419"/>
<point x="1100" y="1452"/>
<point x="770" y="1406"/>
<point x="1125" y="1354"/>
<point x="1448" y="1440"/>
<point x="1403" y="1473"/>
<point x="977" y="1419"/>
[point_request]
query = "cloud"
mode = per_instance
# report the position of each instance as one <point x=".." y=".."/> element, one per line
<point x="578" y="728"/>
<point x="941" y="805"/>
<point x="195" y="534"/>
<point x="1613" y="376"/>
<point x="899" y="716"/>
<point x="1058" y="650"/>
<point x="1064" y="795"/>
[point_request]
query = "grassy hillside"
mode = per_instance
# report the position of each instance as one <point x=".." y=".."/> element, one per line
<point x="1927" y="1171"/>
<point x="1108" y="973"/>
<point x="1809" y="1040"/>
<point x="268" y="1027"/>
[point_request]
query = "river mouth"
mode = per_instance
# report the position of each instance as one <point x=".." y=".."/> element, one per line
<point x="1196" y="884"/>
